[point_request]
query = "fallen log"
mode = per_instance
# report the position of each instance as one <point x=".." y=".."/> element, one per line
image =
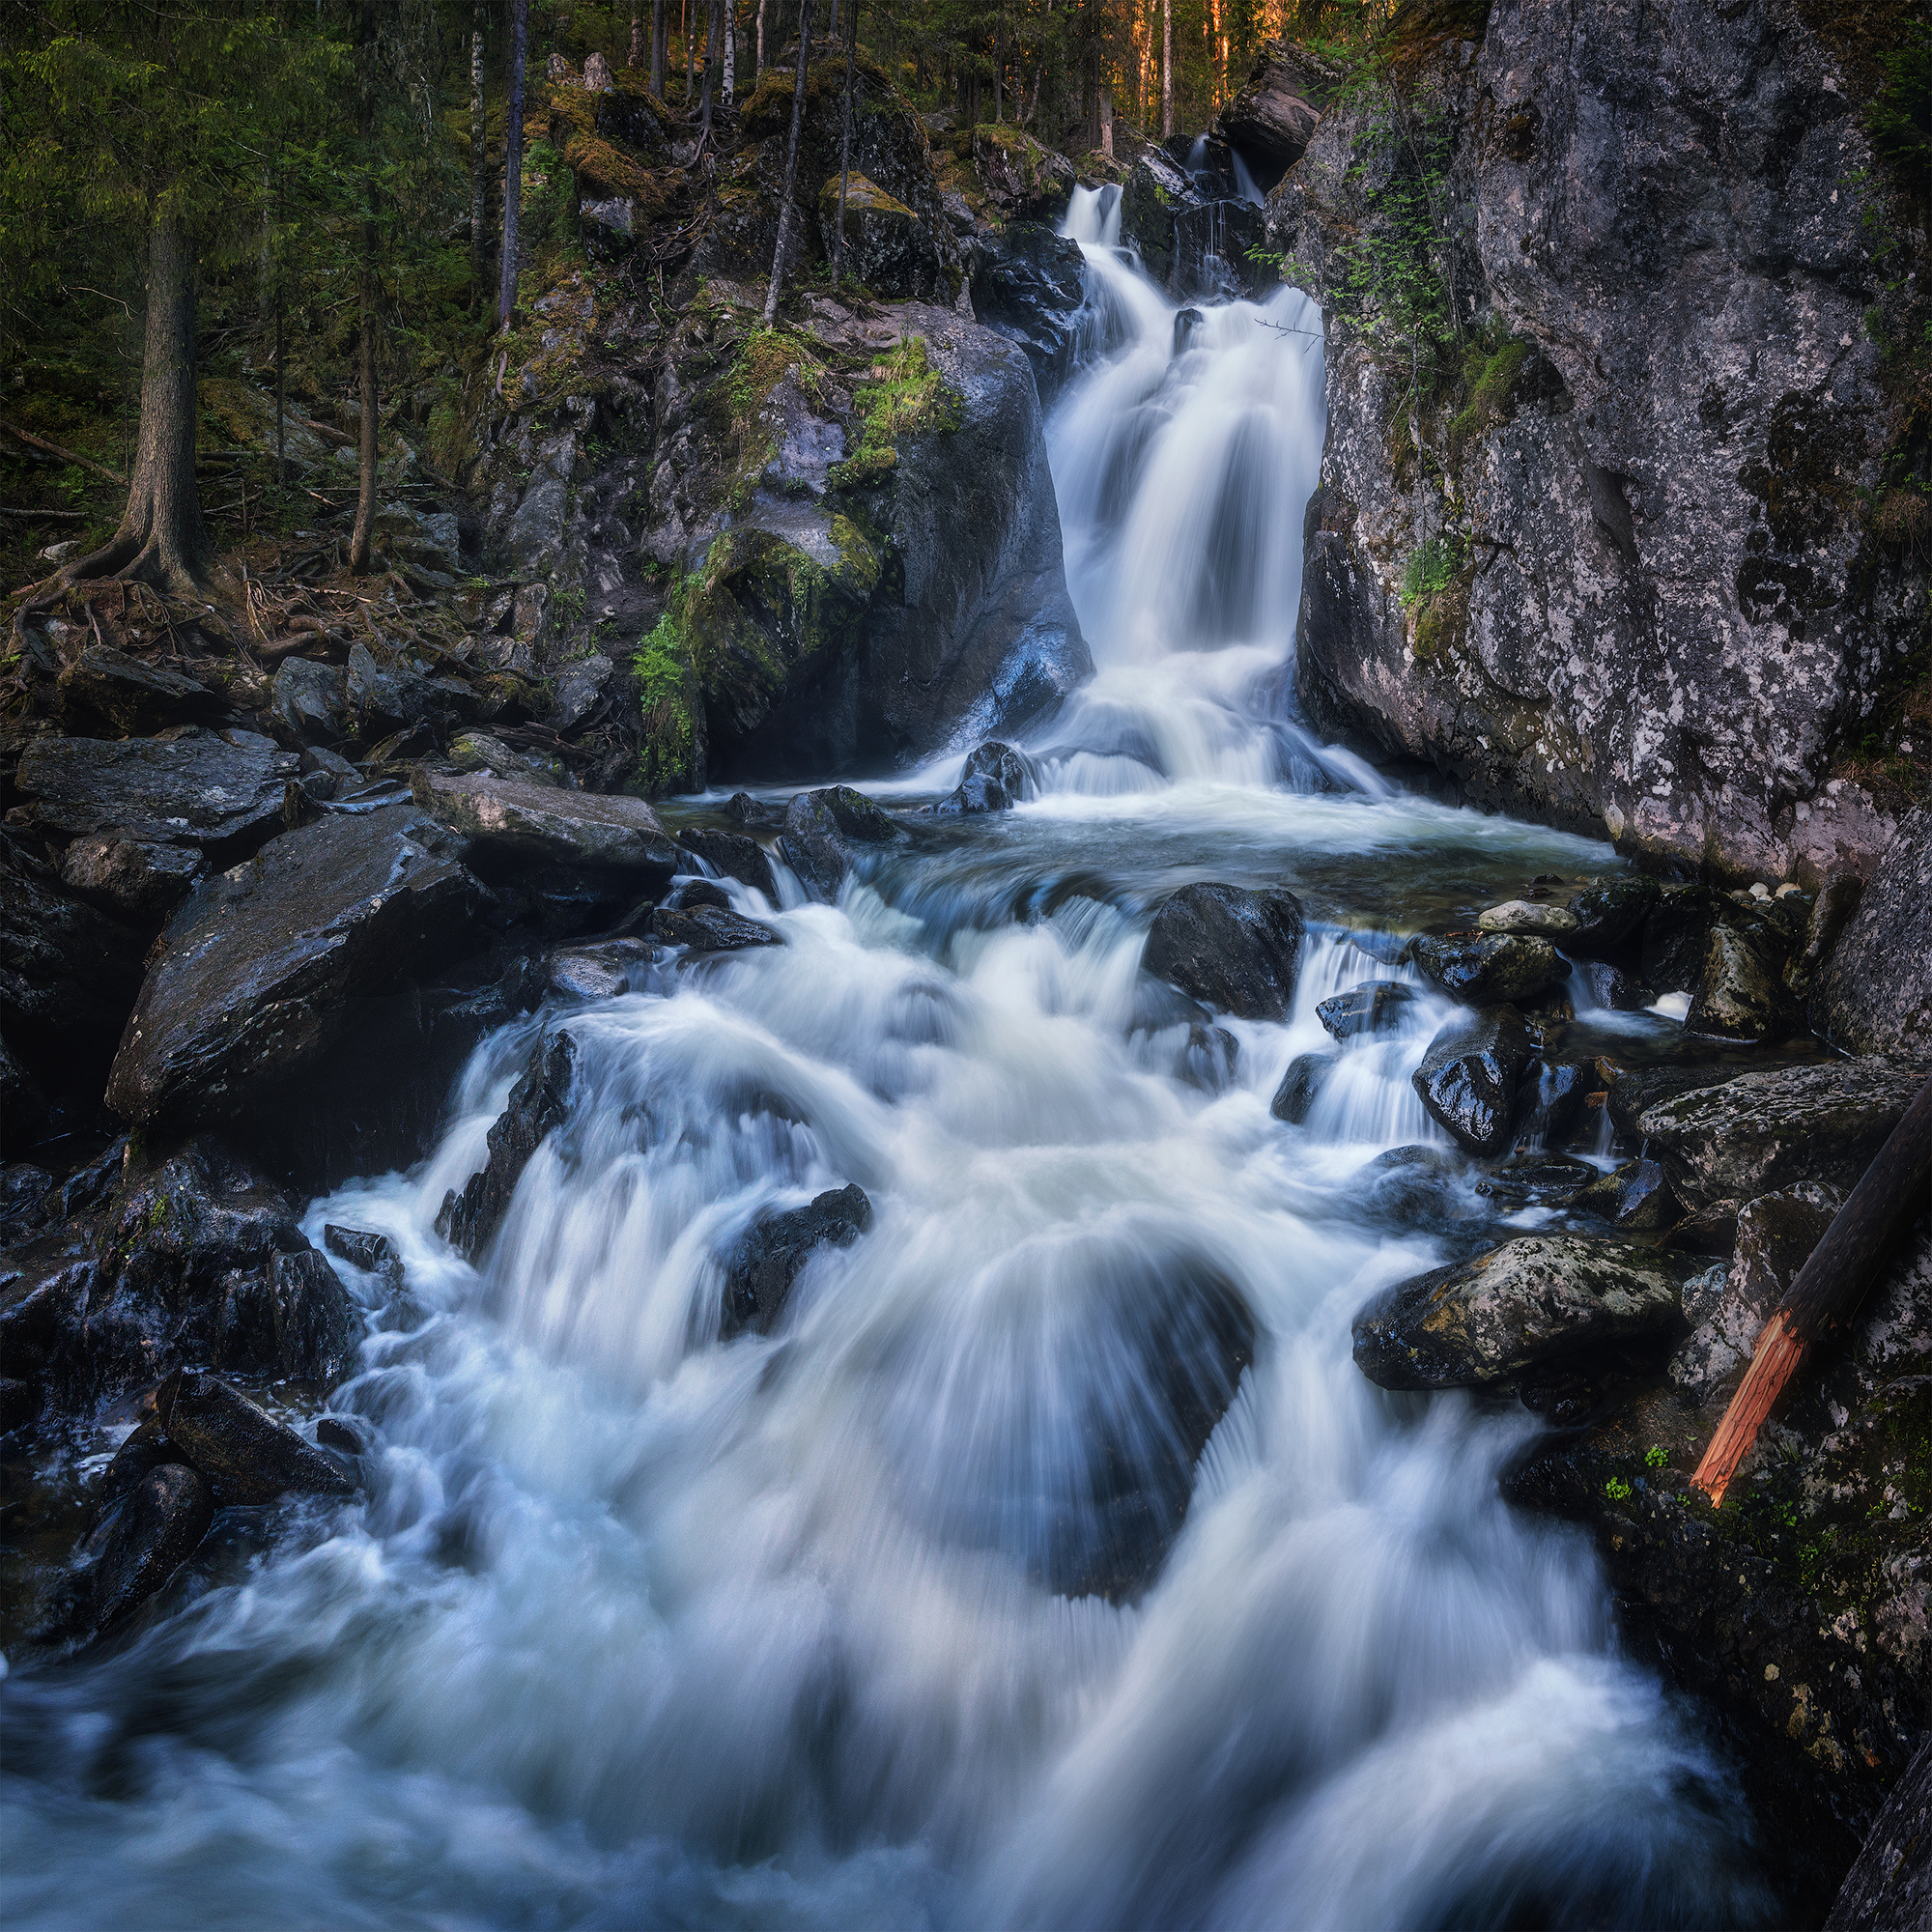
<point x="65" y="455"/>
<point x="1829" y="1287"/>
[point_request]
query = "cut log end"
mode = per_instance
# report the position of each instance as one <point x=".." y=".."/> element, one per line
<point x="1776" y="1358"/>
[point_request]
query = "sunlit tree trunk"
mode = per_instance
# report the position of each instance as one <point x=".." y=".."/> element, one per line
<point x="1165" y="66"/>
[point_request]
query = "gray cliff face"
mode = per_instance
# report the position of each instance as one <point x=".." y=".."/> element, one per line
<point x="1666" y="610"/>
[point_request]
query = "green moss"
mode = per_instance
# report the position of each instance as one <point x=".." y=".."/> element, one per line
<point x="1492" y="383"/>
<point x="907" y="397"/>
<point x="669" y="698"/>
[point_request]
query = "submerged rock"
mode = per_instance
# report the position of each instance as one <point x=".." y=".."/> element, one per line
<point x="821" y="830"/>
<point x="1487" y="1322"/>
<point x="735" y="856"/>
<point x="605" y="972"/>
<point x="773" y="1252"/>
<point x="363" y="1248"/>
<point x="1491" y="969"/>
<point x="1762" y="1132"/>
<point x="1012" y="771"/>
<point x="261" y="972"/>
<point x="709" y="928"/>
<point x="1472" y="1075"/>
<point x="539" y="1103"/>
<point x="1378" y="1006"/>
<point x="1301" y="1085"/>
<point x="1237" y="951"/>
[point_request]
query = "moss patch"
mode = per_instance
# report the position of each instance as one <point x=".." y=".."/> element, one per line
<point x="668" y="700"/>
<point x="907" y="397"/>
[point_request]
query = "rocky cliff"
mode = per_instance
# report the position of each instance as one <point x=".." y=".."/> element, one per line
<point x="1616" y="555"/>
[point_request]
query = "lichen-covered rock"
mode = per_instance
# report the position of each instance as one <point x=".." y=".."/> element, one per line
<point x="1487" y="1322"/>
<point x="1272" y="116"/>
<point x="1237" y="951"/>
<point x="1472" y="1075"/>
<point x="1875" y="992"/>
<point x="1491" y="969"/>
<point x="1021" y="180"/>
<point x="772" y="1254"/>
<point x="1891" y="1883"/>
<point x="1762" y="1132"/>
<point x="309" y="702"/>
<point x="1674" y="603"/>
<point x="1547" y="922"/>
<point x="1741" y="992"/>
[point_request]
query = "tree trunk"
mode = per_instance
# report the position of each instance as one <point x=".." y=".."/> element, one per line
<point x="759" y="57"/>
<point x="365" y="382"/>
<point x="715" y="14"/>
<point x="846" y="144"/>
<point x="689" y="52"/>
<point x="479" y="163"/>
<point x="1106" y="120"/>
<point x="730" y="51"/>
<point x="161" y="539"/>
<point x="1166" y="68"/>
<point x="513" y="160"/>
<point x="635" y="57"/>
<point x="660" y="32"/>
<point x="791" y="165"/>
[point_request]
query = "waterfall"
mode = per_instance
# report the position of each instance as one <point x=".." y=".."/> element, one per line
<point x="1049" y="1563"/>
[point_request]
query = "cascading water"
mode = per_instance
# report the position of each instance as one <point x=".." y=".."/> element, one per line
<point x="921" y="1610"/>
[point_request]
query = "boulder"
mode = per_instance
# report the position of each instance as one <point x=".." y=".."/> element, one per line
<point x="1609" y="986"/>
<point x="1301" y="1085"/>
<point x="821" y="830"/>
<point x="1677" y="936"/>
<point x="1486" y="1323"/>
<point x="1416" y="1187"/>
<point x="1875" y="992"/>
<point x="1237" y="951"/>
<point x="292" y="1320"/>
<point x="1890" y="1885"/>
<point x="159" y="1523"/>
<point x="1637" y="1197"/>
<point x="1552" y="1095"/>
<point x="260" y="973"/>
<point x="711" y="929"/>
<point x="1635" y="1090"/>
<point x="774" y="1250"/>
<point x="972" y="795"/>
<point x="1472" y="1075"/>
<point x="1028" y="286"/>
<point x="1156" y="189"/>
<point x="221" y="794"/>
<point x="515" y="830"/>
<point x="1491" y="968"/>
<point x="243" y="1453"/>
<point x="1021" y="181"/>
<point x="539" y="1103"/>
<point x="734" y="856"/>
<point x="1763" y="1132"/>
<point x="888" y="248"/>
<point x="605" y="972"/>
<point x="366" y="1249"/>
<point x="1014" y="772"/>
<point x="1549" y="922"/>
<point x="580" y="690"/>
<point x="1533" y="1176"/>
<point x="134" y="879"/>
<point x="1610" y="917"/>
<point x="67" y="978"/>
<point x="309" y="702"/>
<point x="135" y="698"/>
<point x="1775" y="1235"/>
<point x="1270" y="119"/>
<point x="381" y="700"/>
<point x="1378" y="1006"/>
<point x="1741" y="992"/>
<point x="481" y="753"/>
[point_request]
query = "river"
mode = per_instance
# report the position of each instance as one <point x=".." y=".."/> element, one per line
<point x="633" y="1628"/>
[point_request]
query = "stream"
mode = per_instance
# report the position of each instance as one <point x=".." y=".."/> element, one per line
<point x="918" y="1611"/>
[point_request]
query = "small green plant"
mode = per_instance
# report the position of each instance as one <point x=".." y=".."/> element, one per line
<point x="1617" y="1490"/>
<point x="906" y="397"/>
<point x="667" y="696"/>
<point x="1653" y="1456"/>
<point x="1431" y="569"/>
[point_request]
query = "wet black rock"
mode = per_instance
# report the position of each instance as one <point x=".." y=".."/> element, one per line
<point x="774" y="1250"/>
<point x="366" y="1249"/>
<point x="221" y="794"/>
<point x="1677" y="935"/>
<point x="1207" y="1058"/>
<point x="293" y="1320"/>
<point x="1301" y="1085"/>
<point x="1761" y="1132"/>
<point x="261" y="974"/>
<point x="1890" y="1885"/>
<point x="514" y="830"/>
<point x="749" y="811"/>
<point x="1420" y="1187"/>
<point x="1491" y="969"/>
<point x="821" y="830"/>
<point x="1378" y="1006"/>
<point x="309" y="702"/>
<point x="1470" y="1077"/>
<point x="1487" y="1322"/>
<point x="603" y="972"/>
<point x="137" y="880"/>
<point x="1237" y="950"/>
<point x="975" y="794"/>
<point x="381" y="699"/>
<point x="1875" y="993"/>
<point x="1012" y="771"/>
<point x="67" y="977"/>
<point x="1610" y="917"/>
<point x="160" y="1522"/>
<point x="734" y="856"/>
<point x="1551" y="1099"/>
<point x="134" y="698"/>
<point x="688" y="895"/>
<point x="244" y="1455"/>
<point x="1611" y="986"/>
<point x="1636" y="1196"/>
<point x="1027" y="286"/>
<point x="710" y="928"/>
<point x="1542" y="1177"/>
<point x="539" y="1104"/>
